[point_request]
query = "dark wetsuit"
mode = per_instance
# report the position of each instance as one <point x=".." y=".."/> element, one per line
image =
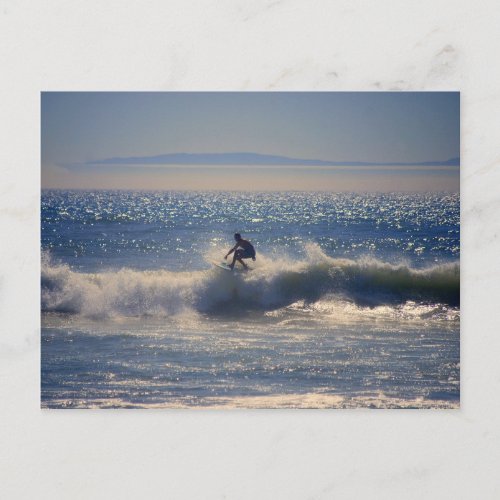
<point x="248" y="249"/>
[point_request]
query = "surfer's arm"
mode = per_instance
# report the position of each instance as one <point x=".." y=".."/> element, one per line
<point x="231" y="251"/>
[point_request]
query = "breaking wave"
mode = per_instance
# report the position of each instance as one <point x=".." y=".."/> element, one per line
<point x="271" y="285"/>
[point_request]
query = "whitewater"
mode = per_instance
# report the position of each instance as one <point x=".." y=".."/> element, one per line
<point x="270" y="285"/>
<point x="354" y="300"/>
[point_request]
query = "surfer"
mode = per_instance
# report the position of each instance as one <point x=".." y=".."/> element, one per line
<point x="245" y="251"/>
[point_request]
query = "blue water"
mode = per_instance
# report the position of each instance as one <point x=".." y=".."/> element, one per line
<point x="353" y="300"/>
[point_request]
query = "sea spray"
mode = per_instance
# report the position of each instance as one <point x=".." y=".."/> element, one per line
<point x="271" y="285"/>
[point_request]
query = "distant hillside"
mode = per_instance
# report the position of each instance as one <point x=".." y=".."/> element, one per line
<point x="250" y="159"/>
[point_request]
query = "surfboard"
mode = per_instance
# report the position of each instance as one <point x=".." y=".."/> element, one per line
<point x="222" y="265"/>
<point x="226" y="267"/>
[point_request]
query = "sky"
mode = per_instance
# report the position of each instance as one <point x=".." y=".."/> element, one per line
<point x="78" y="128"/>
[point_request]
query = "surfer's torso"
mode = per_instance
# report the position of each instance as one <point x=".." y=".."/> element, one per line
<point x="247" y="247"/>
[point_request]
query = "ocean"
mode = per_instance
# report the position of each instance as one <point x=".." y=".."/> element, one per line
<point x="353" y="300"/>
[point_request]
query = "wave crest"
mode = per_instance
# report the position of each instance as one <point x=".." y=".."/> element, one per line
<point x="272" y="284"/>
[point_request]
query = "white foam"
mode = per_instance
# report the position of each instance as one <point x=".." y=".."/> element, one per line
<point x="318" y="279"/>
<point x="277" y="401"/>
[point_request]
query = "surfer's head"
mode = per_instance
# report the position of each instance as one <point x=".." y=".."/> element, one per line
<point x="237" y="236"/>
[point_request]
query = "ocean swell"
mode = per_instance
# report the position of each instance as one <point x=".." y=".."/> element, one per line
<point x="271" y="285"/>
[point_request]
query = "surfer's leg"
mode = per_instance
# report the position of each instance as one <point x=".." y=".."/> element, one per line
<point x="235" y="258"/>
<point x="238" y="257"/>
<point x="242" y="263"/>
